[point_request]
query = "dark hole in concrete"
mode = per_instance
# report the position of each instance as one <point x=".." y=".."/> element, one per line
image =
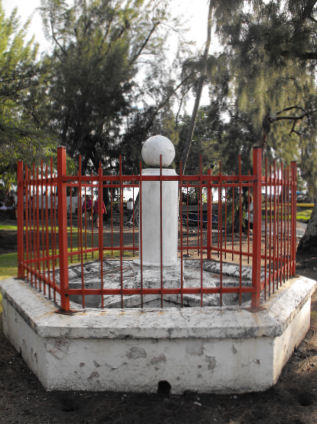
<point x="164" y="388"/>
<point x="305" y="399"/>
<point x="67" y="403"/>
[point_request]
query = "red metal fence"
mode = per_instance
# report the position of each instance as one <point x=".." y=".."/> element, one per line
<point x="248" y="221"/>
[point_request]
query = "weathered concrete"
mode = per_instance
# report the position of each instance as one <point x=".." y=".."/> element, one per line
<point x="151" y="278"/>
<point x="151" y="219"/>
<point x="210" y="349"/>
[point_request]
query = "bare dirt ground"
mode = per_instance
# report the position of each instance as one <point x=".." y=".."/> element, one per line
<point x="293" y="400"/>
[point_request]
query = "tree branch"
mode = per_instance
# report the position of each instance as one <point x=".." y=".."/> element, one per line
<point x="192" y="125"/>
<point x="293" y="118"/>
<point x="145" y="42"/>
<point x="56" y="40"/>
<point x="290" y="108"/>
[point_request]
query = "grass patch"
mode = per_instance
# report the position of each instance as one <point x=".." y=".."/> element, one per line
<point x="8" y="268"/>
<point x="8" y="261"/>
<point x="303" y="215"/>
<point x="8" y="265"/>
<point x="8" y="227"/>
<point x="14" y="227"/>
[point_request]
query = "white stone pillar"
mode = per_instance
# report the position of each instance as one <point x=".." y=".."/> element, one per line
<point x="152" y="149"/>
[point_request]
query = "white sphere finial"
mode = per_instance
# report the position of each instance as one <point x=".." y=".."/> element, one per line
<point x="156" y="146"/>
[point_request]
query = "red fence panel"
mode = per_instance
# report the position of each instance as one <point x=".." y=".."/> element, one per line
<point x="244" y="223"/>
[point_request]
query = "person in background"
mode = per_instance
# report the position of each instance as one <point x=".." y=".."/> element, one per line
<point x="96" y="211"/>
<point x="87" y="205"/>
<point x="249" y="214"/>
<point x="130" y="205"/>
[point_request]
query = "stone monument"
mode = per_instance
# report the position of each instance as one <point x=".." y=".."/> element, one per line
<point x="159" y="204"/>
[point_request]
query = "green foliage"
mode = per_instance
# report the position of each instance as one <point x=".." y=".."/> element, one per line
<point x="98" y="48"/>
<point x="264" y="82"/>
<point x="205" y="146"/>
<point x="21" y="135"/>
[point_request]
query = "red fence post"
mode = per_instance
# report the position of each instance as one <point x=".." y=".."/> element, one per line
<point x="209" y="216"/>
<point x="293" y="217"/>
<point x="62" y="226"/>
<point x="257" y="224"/>
<point x="20" y="222"/>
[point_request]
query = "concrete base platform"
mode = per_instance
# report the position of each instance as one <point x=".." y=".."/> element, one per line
<point x="210" y="349"/>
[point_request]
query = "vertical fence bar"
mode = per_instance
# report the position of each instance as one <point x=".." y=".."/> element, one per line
<point x="275" y="227"/>
<point x="83" y="211"/>
<point x="111" y="219"/>
<point x="198" y="193"/>
<point x="121" y="229"/>
<point x="46" y="226"/>
<point x="278" y="227"/>
<point x="181" y="229"/>
<point x="20" y="221"/>
<point x="71" y="221"/>
<point x="33" y="209"/>
<point x="248" y="223"/>
<point x="265" y="233"/>
<point x="226" y="213"/>
<point x="141" y="235"/>
<point x="28" y="205"/>
<point x="293" y="218"/>
<point x="37" y="255"/>
<point x="133" y="224"/>
<point x="26" y="208"/>
<point x="187" y="220"/>
<point x="52" y="226"/>
<point x="100" y="234"/>
<point x="232" y="223"/>
<point x="257" y="218"/>
<point x="283" y="224"/>
<point x="270" y="233"/>
<point x="54" y="235"/>
<point x="80" y="230"/>
<point x="220" y="228"/>
<point x="200" y="230"/>
<point x="161" y="231"/>
<point x="91" y="220"/>
<point x="289" y="215"/>
<point x="42" y="244"/>
<point x="209" y="216"/>
<point x="240" y="230"/>
<point x="62" y="225"/>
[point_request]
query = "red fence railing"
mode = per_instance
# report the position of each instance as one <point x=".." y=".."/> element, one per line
<point x="241" y="226"/>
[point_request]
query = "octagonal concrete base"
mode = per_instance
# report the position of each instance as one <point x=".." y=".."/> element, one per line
<point x="211" y="349"/>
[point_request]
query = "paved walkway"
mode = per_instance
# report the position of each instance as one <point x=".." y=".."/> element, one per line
<point x="300" y="229"/>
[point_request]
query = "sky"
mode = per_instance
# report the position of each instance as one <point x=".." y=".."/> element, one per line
<point x="195" y="12"/>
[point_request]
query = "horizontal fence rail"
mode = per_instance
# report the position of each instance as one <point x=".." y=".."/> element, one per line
<point x="80" y="237"/>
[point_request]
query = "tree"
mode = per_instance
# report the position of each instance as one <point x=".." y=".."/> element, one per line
<point x="205" y="142"/>
<point x="203" y="63"/>
<point x="21" y="136"/>
<point x="271" y="51"/>
<point x="99" y="50"/>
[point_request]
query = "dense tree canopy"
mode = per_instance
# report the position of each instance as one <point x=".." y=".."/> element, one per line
<point x="107" y="85"/>
<point x="272" y="48"/>
<point x="21" y="134"/>
<point x="100" y="49"/>
<point x="270" y="51"/>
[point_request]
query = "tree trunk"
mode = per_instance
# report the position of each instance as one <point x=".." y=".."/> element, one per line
<point x="191" y="130"/>
<point x="308" y="242"/>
